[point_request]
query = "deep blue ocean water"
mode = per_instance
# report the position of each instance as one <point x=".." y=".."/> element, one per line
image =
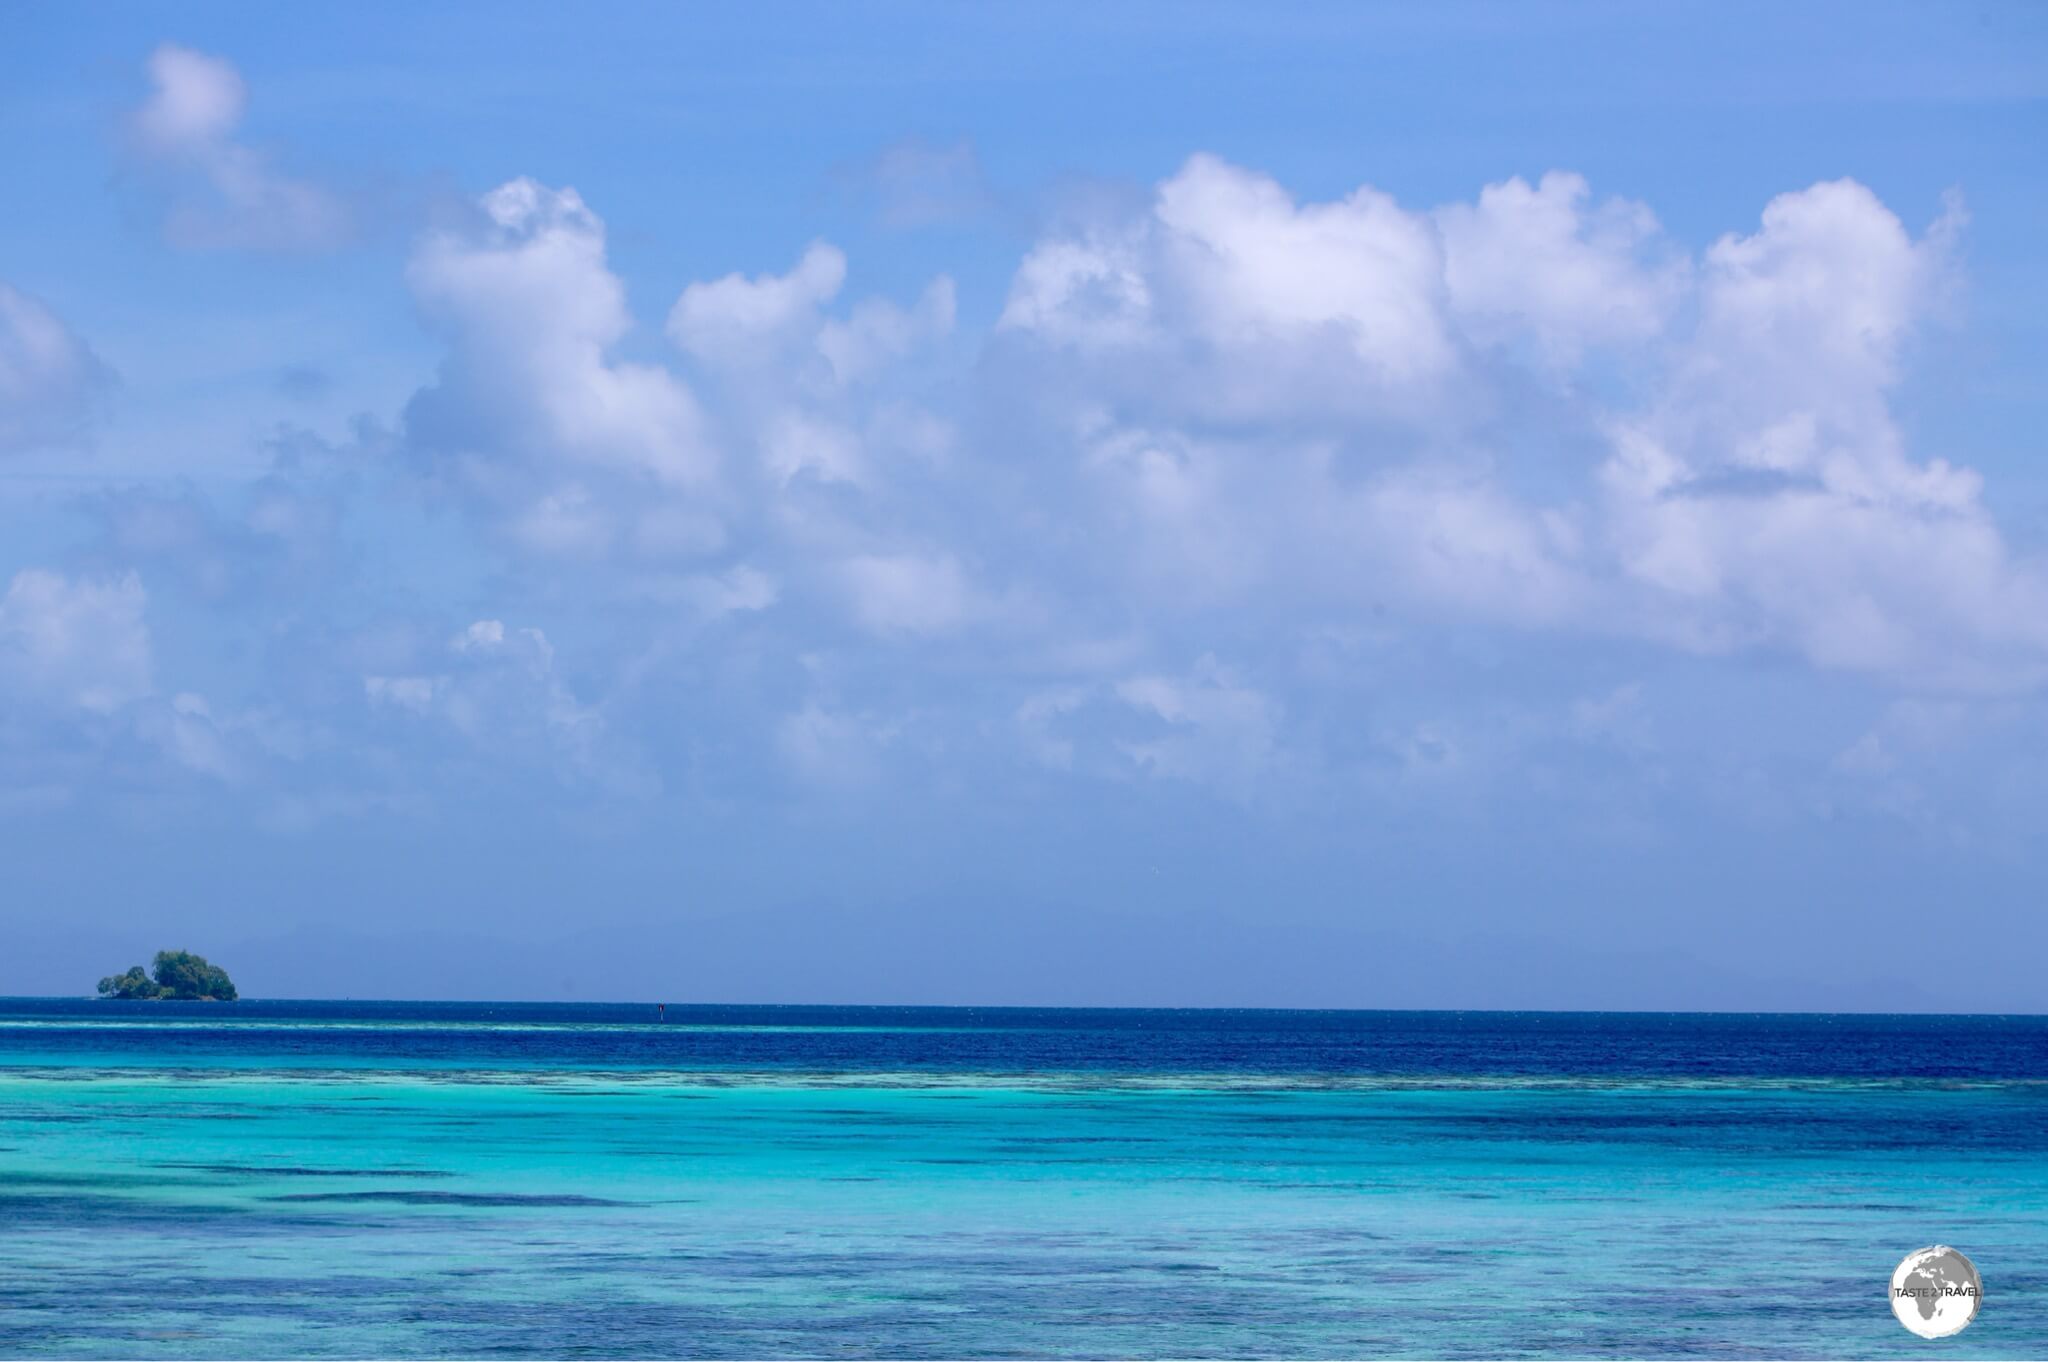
<point x="386" y="1179"/>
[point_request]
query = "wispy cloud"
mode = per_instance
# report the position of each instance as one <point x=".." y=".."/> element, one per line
<point x="223" y="193"/>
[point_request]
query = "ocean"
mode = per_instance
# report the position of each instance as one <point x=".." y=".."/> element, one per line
<point x="341" y="1179"/>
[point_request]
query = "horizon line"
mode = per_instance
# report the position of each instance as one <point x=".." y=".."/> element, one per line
<point x="1049" y="1007"/>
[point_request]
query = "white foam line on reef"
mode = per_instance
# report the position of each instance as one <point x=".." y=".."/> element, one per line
<point x="1077" y="1083"/>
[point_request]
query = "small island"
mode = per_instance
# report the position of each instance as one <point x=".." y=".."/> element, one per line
<point x="178" y="976"/>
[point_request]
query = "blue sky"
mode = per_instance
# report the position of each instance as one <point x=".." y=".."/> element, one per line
<point x="1462" y="505"/>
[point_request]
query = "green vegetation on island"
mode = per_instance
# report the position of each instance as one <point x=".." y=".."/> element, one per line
<point x="179" y="976"/>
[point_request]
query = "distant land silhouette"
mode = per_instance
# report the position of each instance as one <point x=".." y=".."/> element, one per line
<point x="178" y="976"/>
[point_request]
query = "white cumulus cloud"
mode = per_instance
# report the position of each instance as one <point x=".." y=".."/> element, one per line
<point x="532" y="413"/>
<point x="1767" y="494"/>
<point x="1291" y="398"/>
<point x="741" y="320"/>
<point x="1539" y="262"/>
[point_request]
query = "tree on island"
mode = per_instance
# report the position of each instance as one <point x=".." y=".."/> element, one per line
<point x="180" y="977"/>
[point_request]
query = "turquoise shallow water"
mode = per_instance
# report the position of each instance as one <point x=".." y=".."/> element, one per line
<point x="373" y="1180"/>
